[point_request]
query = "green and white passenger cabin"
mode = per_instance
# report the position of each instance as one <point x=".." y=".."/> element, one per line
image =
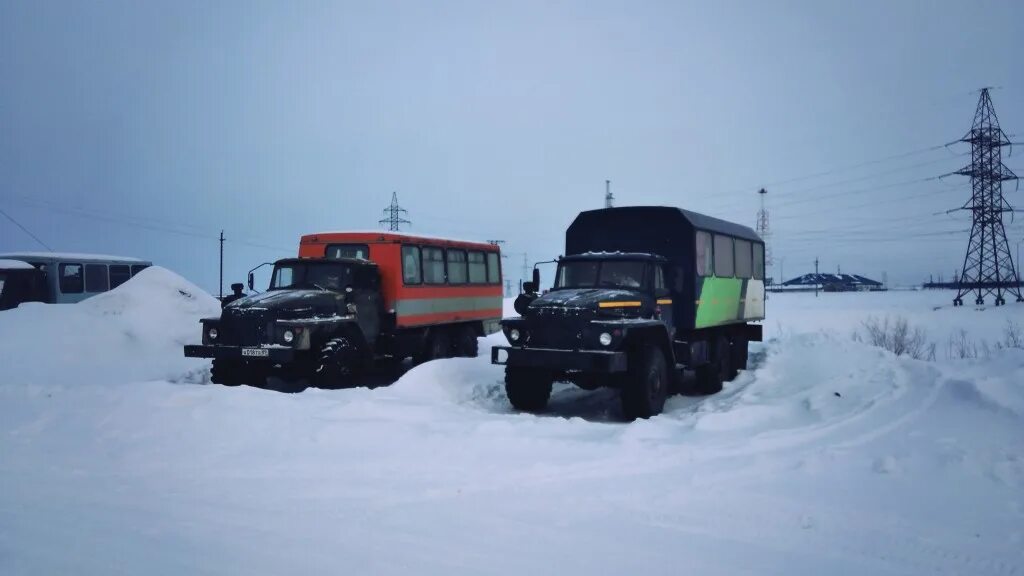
<point x="61" y="278"/>
<point x="716" y="271"/>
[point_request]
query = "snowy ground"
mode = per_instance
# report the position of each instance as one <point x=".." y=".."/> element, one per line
<point x="827" y="457"/>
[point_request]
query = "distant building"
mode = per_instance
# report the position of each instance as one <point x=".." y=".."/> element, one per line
<point x="831" y="283"/>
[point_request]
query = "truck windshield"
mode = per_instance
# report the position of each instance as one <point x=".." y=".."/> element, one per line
<point x="601" y="274"/>
<point x="329" y="276"/>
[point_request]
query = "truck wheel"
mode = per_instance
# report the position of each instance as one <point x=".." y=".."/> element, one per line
<point x="645" y="390"/>
<point x="739" y="355"/>
<point x="527" y="390"/>
<point x="711" y="375"/>
<point x="438" y="346"/>
<point x="227" y="372"/>
<point x="465" y="343"/>
<point x="336" y="366"/>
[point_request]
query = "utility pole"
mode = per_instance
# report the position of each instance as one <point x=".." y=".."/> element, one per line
<point x="988" y="266"/>
<point x="394" y="215"/>
<point x="221" y="284"/>
<point x="608" y="198"/>
<point x="526" y="272"/>
<point x="817" y="279"/>
<point x="763" y="229"/>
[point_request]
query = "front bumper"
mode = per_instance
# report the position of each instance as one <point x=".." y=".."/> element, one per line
<point x="554" y="359"/>
<point x="250" y="353"/>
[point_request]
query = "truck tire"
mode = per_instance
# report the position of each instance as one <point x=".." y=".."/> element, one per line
<point x="711" y="375"/>
<point x="466" y="345"/>
<point x="337" y="364"/>
<point x="437" y="346"/>
<point x="739" y="355"/>
<point x="527" y="390"/>
<point x="645" y="390"/>
<point x="227" y="372"/>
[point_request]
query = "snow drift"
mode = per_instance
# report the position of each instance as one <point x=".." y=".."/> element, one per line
<point x="827" y="457"/>
<point x="133" y="333"/>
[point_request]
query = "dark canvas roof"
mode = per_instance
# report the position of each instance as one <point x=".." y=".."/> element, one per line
<point x="695" y="219"/>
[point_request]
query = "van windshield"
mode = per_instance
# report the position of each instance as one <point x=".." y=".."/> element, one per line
<point x="324" y="275"/>
<point x="628" y="274"/>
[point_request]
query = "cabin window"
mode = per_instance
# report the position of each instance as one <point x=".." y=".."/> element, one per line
<point x="71" y="278"/>
<point x="493" y="268"/>
<point x="457" y="273"/>
<point x="411" y="265"/>
<point x="759" y="261"/>
<point x="119" y="274"/>
<point x="433" y="265"/>
<point x="744" y="259"/>
<point x="361" y="251"/>
<point x="703" y="254"/>
<point x="96" y="278"/>
<point x="136" y="268"/>
<point x="477" y="268"/>
<point x="660" y="289"/>
<point x="724" y="266"/>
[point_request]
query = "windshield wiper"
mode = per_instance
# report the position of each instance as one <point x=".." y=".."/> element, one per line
<point x="319" y="286"/>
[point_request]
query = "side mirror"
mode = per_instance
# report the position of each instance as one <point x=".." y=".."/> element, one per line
<point x="252" y="280"/>
<point x="536" y="279"/>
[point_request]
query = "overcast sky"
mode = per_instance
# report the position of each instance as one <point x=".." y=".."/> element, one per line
<point x="143" y="128"/>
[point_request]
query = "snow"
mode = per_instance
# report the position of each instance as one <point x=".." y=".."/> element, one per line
<point x="71" y="256"/>
<point x="14" y="265"/>
<point x="827" y="457"/>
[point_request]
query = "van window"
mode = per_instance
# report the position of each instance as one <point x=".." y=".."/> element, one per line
<point x="759" y="261"/>
<point x="477" y="268"/>
<point x="361" y="251"/>
<point x="433" y="265"/>
<point x="660" y="289"/>
<point x="119" y="274"/>
<point x="724" y="267"/>
<point x="71" y="281"/>
<point x="703" y="253"/>
<point x="411" y="265"/>
<point x="744" y="259"/>
<point x="96" y="278"/>
<point x="457" y="267"/>
<point x="493" y="268"/>
<point x="136" y="268"/>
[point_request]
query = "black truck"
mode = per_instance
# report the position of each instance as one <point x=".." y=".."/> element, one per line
<point x="319" y="321"/>
<point x="642" y="294"/>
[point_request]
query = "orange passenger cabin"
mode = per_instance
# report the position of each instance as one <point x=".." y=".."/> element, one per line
<point x="425" y="281"/>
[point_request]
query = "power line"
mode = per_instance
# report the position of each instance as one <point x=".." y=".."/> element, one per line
<point x="167" y="229"/>
<point x="26" y="230"/>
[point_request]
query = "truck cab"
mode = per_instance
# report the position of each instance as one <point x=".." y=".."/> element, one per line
<point x="320" y="319"/>
<point x="646" y="293"/>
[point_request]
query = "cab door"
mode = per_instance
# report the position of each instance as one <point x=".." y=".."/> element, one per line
<point x="663" y="297"/>
<point x="368" y="301"/>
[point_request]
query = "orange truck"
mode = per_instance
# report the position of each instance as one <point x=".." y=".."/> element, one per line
<point x="352" y="299"/>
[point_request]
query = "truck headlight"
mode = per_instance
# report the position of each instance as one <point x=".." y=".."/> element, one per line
<point x="605" y="339"/>
<point x="288" y="336"/>
<point x="212" y="333"/>
<point x="513" y="335"/>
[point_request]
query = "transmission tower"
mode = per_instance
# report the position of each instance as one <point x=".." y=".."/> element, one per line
<point x="988" y="265"/>
<point x="609" y="200"/>
<point x="763" y="229"/>
<point x="393" y="214"/>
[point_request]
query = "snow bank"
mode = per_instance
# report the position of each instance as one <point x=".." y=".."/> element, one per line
<point x="132" y="333"/>
<point x="826" y="457"/>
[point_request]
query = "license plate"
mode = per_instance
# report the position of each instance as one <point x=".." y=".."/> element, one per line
<point x="256" y="352"/>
